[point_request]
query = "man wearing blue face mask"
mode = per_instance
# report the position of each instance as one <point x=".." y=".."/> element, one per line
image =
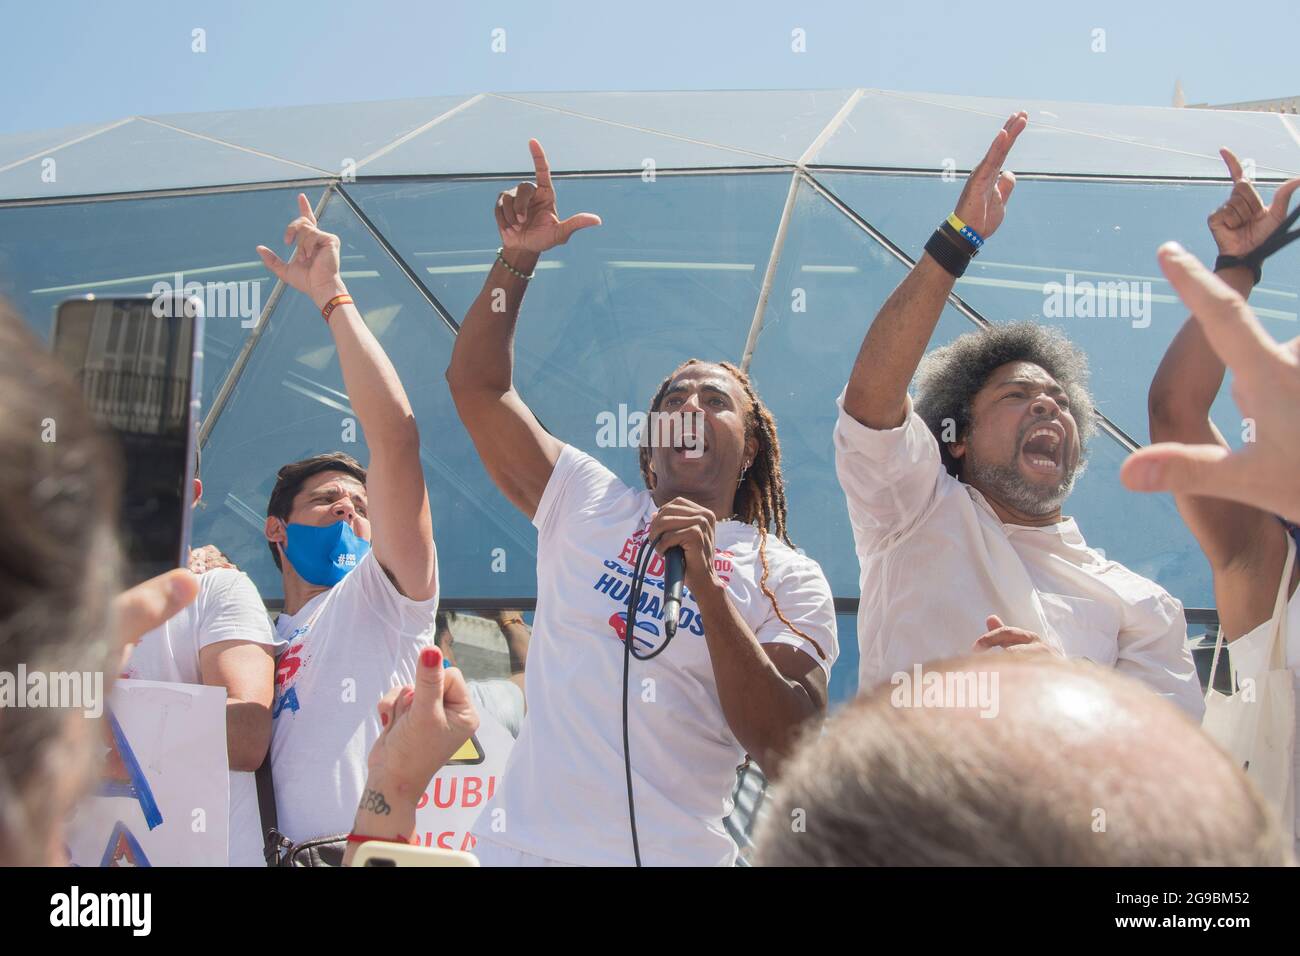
<point x="354" y="546"/>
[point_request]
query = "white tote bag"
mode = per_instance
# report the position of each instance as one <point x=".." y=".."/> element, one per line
<point x="1257" y="724"/>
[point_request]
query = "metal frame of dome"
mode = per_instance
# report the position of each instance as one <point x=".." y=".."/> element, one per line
<point x="1077" y="142"/>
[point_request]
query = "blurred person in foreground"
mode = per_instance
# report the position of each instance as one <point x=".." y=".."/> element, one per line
<point x="955" y="500"/>
<point x="1252" y="552"/>
<point x="1063" y="764"/>
<point x="60" y="613"/>
<point x="59" y="572"/>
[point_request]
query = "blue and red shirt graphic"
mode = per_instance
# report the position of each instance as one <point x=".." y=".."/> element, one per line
<point x="615" y="582"/>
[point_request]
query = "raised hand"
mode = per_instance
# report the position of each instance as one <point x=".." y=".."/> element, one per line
<point x="1266" y="387"/>
<point x="423" y="727"/>
<point x="527" y="217"/>
<point x="984" y="198"/>
<point x="314" y="268"/>
<point x="1243" y="222"/>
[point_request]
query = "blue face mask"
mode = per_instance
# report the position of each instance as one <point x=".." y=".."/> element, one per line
<point x="323" y="556"/>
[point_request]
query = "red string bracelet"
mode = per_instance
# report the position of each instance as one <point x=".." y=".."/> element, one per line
<point x="361" y="838"/>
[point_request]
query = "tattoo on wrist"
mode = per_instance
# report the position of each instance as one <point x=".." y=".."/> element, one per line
<point x="372" y="801"/>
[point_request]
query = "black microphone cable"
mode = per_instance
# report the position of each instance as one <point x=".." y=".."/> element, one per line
<point x="639" y="568"/>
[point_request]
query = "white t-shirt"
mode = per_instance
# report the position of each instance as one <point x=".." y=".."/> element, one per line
<point x="347" y="647"/>
<point x="228" y="608"/>
<point x="563" y="795"/>
<point x="936" y="560"/>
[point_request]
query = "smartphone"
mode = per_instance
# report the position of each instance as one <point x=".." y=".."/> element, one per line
<point x="139" y="362"/>
<point x="382" y="853"/>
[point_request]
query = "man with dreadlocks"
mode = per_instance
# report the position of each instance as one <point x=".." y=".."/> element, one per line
<point x="749" y="665"/>
<point x="956" y="503"/>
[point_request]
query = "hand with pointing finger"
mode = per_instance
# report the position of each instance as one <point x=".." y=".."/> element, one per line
<point x="314" y="268"/>
<point x="527" y="217"/>
<point x="1243" y="221"/>
<point x="1264" y="473"/>
<point x="984" y="198"/>
<point x="423" y="726"/>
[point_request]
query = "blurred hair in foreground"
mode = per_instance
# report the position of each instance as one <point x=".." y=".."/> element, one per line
<point x="60" y="488"/>
<point x="1079" y="766"/>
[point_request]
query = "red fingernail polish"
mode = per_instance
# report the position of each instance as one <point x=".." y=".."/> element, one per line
<point x="383" y="719"/>
<point x="431" y="657"/>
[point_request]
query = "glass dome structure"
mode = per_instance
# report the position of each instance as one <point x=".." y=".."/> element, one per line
<point x="763" y="227"/>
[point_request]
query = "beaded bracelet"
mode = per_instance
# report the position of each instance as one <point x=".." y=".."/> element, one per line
<point x="965" y="231"/>
<point x="511" y="269"/>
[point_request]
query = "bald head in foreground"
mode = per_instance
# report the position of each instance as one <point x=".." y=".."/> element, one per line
<point x="1070" y="765"/>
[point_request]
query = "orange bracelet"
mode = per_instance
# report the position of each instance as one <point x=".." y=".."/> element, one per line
<point x="333" y="304"/>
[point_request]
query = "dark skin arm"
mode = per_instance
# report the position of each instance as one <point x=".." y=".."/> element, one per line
<point x="768" y="692"/>
<point x="515" y="449"/>
<point x="1246" y="546"/>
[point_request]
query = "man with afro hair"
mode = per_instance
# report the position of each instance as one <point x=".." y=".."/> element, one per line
<point x="955" y="499"/>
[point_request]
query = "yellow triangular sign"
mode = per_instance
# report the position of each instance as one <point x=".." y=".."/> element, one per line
<point x="470" y="752"/>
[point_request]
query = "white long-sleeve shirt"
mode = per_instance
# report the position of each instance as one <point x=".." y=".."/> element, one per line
<point x="935" y="560"/>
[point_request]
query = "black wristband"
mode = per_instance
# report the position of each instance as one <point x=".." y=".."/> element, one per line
<point x="1249" y="262"/>
<point x="958" y="240"/>
<point x="942" y="250"/>
<point x="1254" y="260"/>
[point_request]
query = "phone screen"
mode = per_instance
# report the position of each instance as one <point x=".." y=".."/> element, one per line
<point x="138" y="362"/>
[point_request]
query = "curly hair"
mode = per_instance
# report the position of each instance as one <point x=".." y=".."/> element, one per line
<point x="949" y="377"/>
<point x="760" y="495"/>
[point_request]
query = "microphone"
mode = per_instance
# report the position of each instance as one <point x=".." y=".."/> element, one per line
<point x="675" y="559"/>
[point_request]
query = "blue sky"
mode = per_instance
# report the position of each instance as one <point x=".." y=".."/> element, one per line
<point x="66" y="63"/>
